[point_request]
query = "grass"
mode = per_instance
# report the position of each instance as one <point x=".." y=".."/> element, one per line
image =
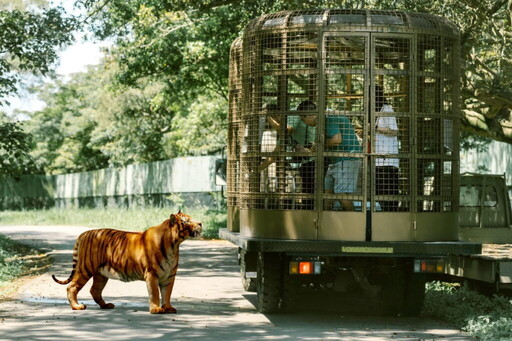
<point x="486" y="318"/>
<point x="16" y="260"/>
<point x="132" y="219"/>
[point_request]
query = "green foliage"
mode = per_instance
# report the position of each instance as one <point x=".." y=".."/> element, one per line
<point x="88" y="124"/>
<point x="487" y="318"/>
<point x="62" y="130"/>
<point x="28" y="42"/>
<point x="14" y="149"/>
<point x="201" y="130"/>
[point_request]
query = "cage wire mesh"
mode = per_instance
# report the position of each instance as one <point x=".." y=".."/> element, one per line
<point x="344" y="110"/>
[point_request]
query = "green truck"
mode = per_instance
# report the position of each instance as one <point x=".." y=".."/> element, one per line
<point x="342" y="165"/>
<point x="485" y="217"/>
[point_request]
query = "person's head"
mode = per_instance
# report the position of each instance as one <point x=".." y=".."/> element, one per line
<point x="308" y="105"/>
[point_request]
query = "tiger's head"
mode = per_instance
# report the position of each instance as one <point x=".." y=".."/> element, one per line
<point x="186" y="226"/>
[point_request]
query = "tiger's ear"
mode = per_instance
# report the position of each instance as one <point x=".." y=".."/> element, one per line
<point x="172" y="220"/>
<point x="179" y="211"/>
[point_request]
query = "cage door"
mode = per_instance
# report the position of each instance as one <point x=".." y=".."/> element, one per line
<point x="345" y="82"/>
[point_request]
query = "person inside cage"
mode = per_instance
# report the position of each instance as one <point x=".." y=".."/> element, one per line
<point x="386" y="142"/>
<point x="302" y="139"/>
<point x="342" y="174"/>
<point x="268" y="139"/>
<point x="299" y="136"/>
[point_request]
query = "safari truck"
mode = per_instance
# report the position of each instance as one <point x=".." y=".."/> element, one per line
<point x="343" y="155"/>
<point x="485" y="217"/>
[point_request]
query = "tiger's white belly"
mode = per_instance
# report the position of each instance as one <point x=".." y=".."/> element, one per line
<point x="111" y="273"/>
<point x="165" y="270"/>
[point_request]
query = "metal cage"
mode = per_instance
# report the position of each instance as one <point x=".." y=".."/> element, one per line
<point x="344" y="125"/>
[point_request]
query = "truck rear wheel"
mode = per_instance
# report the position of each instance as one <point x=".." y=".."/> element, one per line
<point x="414" y="295"/>
<point x="403" y="292"/>
<point x="269" y="282"/>
<point x="247" y="262"/>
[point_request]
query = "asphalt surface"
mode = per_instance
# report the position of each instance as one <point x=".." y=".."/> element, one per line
<point x="208" y="295"/>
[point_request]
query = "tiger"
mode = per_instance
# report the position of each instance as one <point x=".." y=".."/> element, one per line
<point x="151" y="256"/>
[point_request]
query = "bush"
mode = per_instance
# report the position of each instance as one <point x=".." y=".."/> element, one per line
<point x="486" y="318"/>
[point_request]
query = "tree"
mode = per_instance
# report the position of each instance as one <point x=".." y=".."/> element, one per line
<point x="188" y="42"/>
<point x="14" y="149"/>
<point x="162" y="89"/>
<point x="62" y="131"/>
<point x="28" y="43"/>
<point x="89" y="124"/>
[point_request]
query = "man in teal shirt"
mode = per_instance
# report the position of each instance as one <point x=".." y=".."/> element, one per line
<point x="343" y="173"/>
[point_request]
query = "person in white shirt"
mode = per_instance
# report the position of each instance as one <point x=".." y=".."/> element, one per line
<point x="386" y="142"/>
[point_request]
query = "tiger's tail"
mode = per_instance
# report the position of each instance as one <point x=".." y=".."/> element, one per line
<point x="75" y="261"/>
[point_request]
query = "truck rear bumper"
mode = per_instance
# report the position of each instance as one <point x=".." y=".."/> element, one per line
<point x="350" y="248"/>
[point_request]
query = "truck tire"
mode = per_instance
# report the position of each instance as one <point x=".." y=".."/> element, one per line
<point x="414" y="295"/>
<point x="393" y="292"/>
<point x="291" y="293"/>
<point x="403" y="292"/>
<point x="247" y="262"/>
<point x="269" y="282"/>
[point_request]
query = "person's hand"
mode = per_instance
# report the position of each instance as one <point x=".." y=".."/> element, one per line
<point x="300" y="148"/>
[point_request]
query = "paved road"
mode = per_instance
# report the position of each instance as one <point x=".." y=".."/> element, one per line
<point x="208" y="296"/>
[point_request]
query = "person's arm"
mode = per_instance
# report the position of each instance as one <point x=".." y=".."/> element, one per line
<point x="333" y="131"/>
<point x="275" y="122"/>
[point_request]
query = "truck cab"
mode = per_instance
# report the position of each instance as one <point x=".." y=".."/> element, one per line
<point x="485" y="213"/>
<point x="485" y="217"/>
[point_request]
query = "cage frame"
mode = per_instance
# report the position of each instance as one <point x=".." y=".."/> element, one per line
<point x="246" y="92"/>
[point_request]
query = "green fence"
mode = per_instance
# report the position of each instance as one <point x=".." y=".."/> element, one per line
<point x="188" y="180"/>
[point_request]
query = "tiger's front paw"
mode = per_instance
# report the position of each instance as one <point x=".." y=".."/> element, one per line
<point x="78" y="307"/>
<point x="157" y="310"/>
<point x="169" y="309"/>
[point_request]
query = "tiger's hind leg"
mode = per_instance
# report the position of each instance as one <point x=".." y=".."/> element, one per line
<point x="99" y="282"/>
<point x="73" y="288"/>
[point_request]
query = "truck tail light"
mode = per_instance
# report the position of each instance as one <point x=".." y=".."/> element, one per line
<point x="429" y="265"/>
<point x="305" y="268"/>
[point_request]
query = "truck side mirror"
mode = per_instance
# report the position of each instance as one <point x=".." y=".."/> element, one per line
<point x="220" y="172"/>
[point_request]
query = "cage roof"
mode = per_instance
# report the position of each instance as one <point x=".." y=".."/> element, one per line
<point x="354" y="20"/>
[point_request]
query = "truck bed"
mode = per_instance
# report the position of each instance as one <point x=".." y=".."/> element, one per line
<point x="493" y="265"/>
<point x="496" y="252"/>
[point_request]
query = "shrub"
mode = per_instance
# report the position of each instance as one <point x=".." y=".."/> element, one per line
<point x="486" y="318"/>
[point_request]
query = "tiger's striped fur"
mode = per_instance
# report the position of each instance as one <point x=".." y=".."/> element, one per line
<point x="151" y="256"/>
